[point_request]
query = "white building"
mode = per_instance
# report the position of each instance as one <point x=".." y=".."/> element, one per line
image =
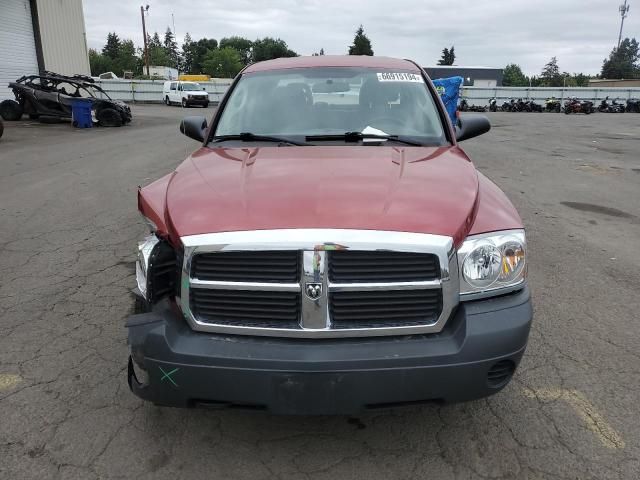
<point x="38" y="35"/>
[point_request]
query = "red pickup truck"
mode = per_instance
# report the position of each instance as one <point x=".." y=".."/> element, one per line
<point x="330" y="248"/>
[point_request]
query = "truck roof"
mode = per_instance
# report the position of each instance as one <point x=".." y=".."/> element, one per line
<point x="333" y="61"/>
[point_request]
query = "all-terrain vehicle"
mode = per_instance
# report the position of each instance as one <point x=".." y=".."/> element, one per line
<point x="50" y="96"/>
<point x="574" y="105"/>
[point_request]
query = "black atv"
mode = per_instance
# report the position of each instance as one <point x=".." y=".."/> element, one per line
<point x="50" y="96"/>
<point x="633" y="106"/>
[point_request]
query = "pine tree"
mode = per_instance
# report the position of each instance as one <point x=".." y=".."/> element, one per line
<point x="623" y="62"/>
<point x="171" y="47"/>
<point x="361" y="44"/>
<point x="112" y="47"/>
<point x="448" y="56"/>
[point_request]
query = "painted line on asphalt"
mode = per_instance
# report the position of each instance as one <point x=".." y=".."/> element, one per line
<point x="8" y="381"/>
<point x="594" y="421"/>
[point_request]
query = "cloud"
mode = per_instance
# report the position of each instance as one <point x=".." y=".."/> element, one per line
<point x="580" y="33"/>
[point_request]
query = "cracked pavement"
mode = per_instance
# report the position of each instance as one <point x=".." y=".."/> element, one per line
<point x="68" y="230"/>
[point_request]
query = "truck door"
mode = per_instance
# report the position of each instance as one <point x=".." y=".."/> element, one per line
<point x="173" y="92"/>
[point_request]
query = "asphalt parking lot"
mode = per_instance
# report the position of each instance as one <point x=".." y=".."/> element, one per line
<point x="68" y="230"/>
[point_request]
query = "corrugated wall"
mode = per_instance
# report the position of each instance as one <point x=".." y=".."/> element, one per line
<point x="64" y="43"/>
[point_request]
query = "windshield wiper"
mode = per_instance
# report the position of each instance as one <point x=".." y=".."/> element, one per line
<point x="358" y="136"/>
<point x="251" y="137"/>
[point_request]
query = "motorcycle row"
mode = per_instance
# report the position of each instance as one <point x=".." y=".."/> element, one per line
<point x="571" y="105"/>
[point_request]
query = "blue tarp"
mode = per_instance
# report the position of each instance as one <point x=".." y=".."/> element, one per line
<point x="449" y="90"/>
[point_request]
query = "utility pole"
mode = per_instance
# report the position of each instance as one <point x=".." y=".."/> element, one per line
<point x="624" y="13"/>
<point x="144" y="34"/>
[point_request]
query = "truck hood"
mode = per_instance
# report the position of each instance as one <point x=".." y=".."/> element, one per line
<point x="413" y="189"/>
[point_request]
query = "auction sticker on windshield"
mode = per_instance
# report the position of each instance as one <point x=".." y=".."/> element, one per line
<point x="399" y="77"/>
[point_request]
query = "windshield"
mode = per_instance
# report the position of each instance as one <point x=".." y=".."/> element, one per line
<point x="190" y="87"/>
<point x="332" y="101"/>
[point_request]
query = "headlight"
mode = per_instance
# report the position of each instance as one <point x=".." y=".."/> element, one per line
<point x="142" y="264"/>
<point x="492" y="263"/>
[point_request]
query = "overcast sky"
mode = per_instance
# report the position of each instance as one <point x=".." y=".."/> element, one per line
<point x="580" y="33"/>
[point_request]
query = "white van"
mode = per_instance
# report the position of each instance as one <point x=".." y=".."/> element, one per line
<point x="184" y="93"/>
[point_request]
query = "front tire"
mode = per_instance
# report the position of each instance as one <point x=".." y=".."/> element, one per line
<point x="108" y="117"/>
<point x="184" y="103"/>
<point x="11" y="110"/>
<point x="167" y="102"/>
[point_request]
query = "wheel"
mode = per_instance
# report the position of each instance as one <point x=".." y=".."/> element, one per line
<point x="184" y="103"/>
<point x="11" y="110"/>
<point x="206" y="105"/>
<point x="567" y="111"/>
<point x="167" y="101"/>
<point x="108" y="117"/>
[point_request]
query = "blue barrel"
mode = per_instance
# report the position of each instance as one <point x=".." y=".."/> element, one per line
<point x="449" y="90"/>
<point x="81" y="112"/>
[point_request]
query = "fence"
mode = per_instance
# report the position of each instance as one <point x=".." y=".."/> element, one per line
<point x="482" y="95"/>
<point x="151" y="90"/>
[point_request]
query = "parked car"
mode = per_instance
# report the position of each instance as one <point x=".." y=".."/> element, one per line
<point x="185" y="94"/>
<point x="328" y="256"/>
<point x="1" y="128"/>
<point x="51" y="95"/>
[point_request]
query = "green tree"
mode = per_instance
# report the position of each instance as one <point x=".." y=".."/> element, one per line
<point x="550" y="75"/>
<point x="448" y="56"/>
<point x="269" y="48"/>
<point x="222" y="63"/>
<point x="241" y="45"/>
<point x="171" y="48"/>
<point x="512" y="76"/>
<point x="623" y="62"/>
<point x="188" y="54"/>
<point x="99" y="63"/>
<point x="157" y="53"/>
<point x="318" y="54"/>
<point x="112" y="48"/>
<point x="361" y="44"/>
<point x="126" y="59"/>
<point x="200" y="49"/>
<point x="581" y="80"/>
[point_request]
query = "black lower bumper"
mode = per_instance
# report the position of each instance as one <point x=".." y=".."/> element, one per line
<point x="197" y="101"/>
<point x="474" y="356"/>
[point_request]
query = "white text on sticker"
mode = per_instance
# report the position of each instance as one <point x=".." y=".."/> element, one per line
<point x="399" y="77"/>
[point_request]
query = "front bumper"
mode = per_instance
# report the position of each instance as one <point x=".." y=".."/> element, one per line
<point x="339" y="376"/>
<point x="197" y="101"/>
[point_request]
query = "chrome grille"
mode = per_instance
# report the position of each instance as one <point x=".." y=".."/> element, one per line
<point x="345" y="283"/>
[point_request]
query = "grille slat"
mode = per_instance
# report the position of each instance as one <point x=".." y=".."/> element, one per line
<point x="374" y="309"/>
<point x="272" y="266"/>
<point x="382" y="266"/>
<point x="246" y="308"/>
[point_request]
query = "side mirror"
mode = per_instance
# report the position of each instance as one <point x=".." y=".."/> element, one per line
<point x="470" y="126"/>
<point x="194" y="127"/>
